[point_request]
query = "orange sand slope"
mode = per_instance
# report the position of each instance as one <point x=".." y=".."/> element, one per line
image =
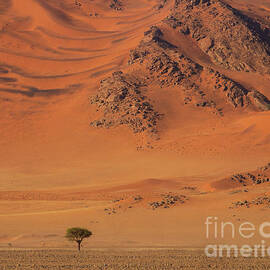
<point x="58" y="171"/>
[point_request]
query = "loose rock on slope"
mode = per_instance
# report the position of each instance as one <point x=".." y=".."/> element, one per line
<point x="230" y="38"/>
<point x="123" y="97"/>
<point x="123" y="103"/>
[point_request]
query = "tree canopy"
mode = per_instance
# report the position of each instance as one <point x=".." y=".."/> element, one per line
<point x="77" y="234"/>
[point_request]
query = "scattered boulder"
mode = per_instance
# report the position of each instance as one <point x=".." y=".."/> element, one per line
<point x="206" y="44"/>
<point x="138" y="198"/>
<point x="168" y="200"/>
<point x="116" y="5"/>
<point x="110" y="211"/>
<point x="160" y="5"/>
<point x="260" y="176"/>
<point x="259" y="201"/>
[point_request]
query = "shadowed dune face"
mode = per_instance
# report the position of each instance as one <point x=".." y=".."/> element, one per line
<point x="65" y="64"/>
<point x="38" y="36"/>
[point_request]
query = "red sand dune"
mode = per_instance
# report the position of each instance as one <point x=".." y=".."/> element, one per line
<point x="57" y="171"/>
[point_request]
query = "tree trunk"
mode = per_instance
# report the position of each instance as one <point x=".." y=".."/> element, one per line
<point x="79" y="245"/>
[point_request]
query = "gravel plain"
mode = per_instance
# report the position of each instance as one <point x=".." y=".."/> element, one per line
<point x="139" y="259"/>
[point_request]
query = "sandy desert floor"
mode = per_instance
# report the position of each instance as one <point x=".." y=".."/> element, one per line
<point x="56" y="171"/>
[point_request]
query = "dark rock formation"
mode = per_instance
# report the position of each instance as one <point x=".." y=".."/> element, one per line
<point x="168" y="66"/>
<point x="259" y="201"/>
<point x="123" y="103"/>
<point x="162" y="59"/>
<point x="116" y="5"/>
<point x="260" y="176"/>
<point x="168" y="200"/>
<point x="230" y="38"/>
<point x="160" y="5"/>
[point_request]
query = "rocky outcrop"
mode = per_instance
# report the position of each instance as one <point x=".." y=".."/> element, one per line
<point x="260" y="176"/>
<point x="121" y="99"/>
<point x="168" y="66"/>
<point x="235" y="94"/>
<point x="259" y="201"/>
<point x="259" y="100"/>
<point x="162" y="60"/>
<point x="230" y="38"/>
<point x="160" y="4"/>
<point x="168" y="200"/>
<point x="116" y="5"/>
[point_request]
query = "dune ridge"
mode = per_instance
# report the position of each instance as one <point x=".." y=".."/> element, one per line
<point x="142" y="108"/>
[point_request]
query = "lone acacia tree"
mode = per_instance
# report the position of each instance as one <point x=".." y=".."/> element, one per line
<point x="77" y="235"/>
